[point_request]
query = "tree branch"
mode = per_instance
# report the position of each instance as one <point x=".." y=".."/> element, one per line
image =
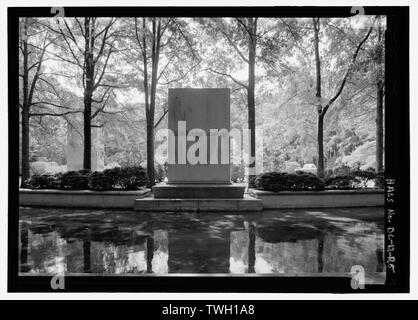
<point x="53" y="114"/>
<point x="347" y="74"/>
<point x="229" y="76"/>
<point x="161" y="118"/>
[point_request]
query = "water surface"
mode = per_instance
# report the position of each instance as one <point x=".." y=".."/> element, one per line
<point x="285" y="242"/>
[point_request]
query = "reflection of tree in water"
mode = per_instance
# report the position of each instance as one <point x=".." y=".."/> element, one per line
<point x="295" y="249"/>
<point x="105" y="248"/>
<point x="42" y="252"/>
<point x="23" y="249"/>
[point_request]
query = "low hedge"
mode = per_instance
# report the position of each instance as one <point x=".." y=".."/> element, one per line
<point x="357" y="179"/>
<point x="73" y="180"/>
<point x="342" y="182"/>
<point x="99" y="181"/>
<point x="125" y="178"/>
<point x="281" y="181"/>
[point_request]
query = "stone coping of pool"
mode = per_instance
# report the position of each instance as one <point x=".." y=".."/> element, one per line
<point x="320" y="199"/>
<point x="269" y="199"/>
<point x="80" y="198"/>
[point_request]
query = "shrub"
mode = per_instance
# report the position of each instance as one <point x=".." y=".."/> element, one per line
<point x="281" y="181"/>
<point x="342" y="182"/>
<point x="311" y="182"/>
<point x="131" y="178"/>
<point x="43" y="181"/>
<point x="100" y="181"/>
<point x="127" y="178"/>
<point x="365" y="176"/>
<point x="75" y="180"/>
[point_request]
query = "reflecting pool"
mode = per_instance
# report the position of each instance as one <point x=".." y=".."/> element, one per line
<point x="285" y="242"/>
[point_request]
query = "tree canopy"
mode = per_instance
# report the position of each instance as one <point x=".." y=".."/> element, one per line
<point x="116" y="73"/>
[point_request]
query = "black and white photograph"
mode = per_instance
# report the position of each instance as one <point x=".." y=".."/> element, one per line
<point x="234" y="149"/>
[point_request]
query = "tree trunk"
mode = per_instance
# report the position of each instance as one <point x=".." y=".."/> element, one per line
<point x="156" y="30"/>
<point x="321" y="114"/>
<point x="379" y="107"/>
<point x="25" y="146"/>
<point x="87" y="133"/>
<point x="150" y="152"/>
<point x="25" y="112"/>
<point x="252" y="26"/>
<point x="320" y="138"/>
<point x="379" y="127"/>
<point x="88" y="95"/>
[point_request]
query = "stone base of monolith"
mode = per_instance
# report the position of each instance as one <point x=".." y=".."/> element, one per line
<point x="247" y="204"/>
<point x="198" y="191"/>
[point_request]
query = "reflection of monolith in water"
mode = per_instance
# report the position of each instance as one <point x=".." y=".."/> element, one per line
<point x="286" y="257"/>
<point x="76" y="260"/>
<point x="75" y="145"/>
<point x="198" y="253"/>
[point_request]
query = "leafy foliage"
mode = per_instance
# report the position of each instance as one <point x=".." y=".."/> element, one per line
<point x="43" y="181"/>
<point x="345" y="182"/>
<point x="126" y="178"/>
<point x="281" y="181"/>
<point x="100" y="181"/>
<point x="354" y="179"/>
<point x="75" y="180"/>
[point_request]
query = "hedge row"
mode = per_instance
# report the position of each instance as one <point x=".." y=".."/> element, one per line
<point x="125" y="178"/>
<point x="280" y="181"/>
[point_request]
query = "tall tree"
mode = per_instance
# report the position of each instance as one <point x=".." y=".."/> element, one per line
<point x="40" y="95"/>
<point x="251" y="28"/>
<point x="150" y="85"/>
<point x="152" y="35"/>
<point x="242" y="37"/>
<point x="323" y="105"/>
<point x="379" y="96"/>
<point x="89" y="44"/>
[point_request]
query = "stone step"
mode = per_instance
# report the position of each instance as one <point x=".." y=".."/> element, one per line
<point x="246" y="204"/>
<point x="197" y="191"/>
